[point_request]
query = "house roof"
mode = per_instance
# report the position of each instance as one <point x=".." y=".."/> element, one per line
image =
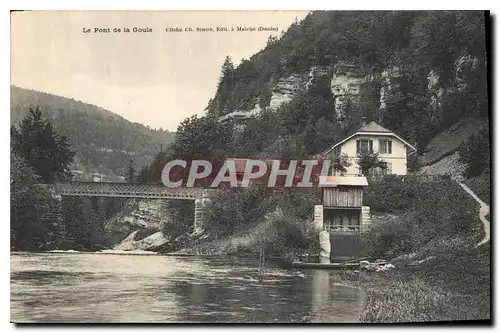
<point x="371" y="128"/>
<point x="333" y="181"/>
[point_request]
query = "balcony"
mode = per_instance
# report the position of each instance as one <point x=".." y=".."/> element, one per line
<point x="351" y="229"/>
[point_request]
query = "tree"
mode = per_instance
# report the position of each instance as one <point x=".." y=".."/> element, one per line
<point x="130" y="175"/>
<point x="475" y="152"/>
<point x="367" y="161"/>
<point x="202" y="138"/>
<point x="144" y="175"/>
<point x="28" y="202"/>
<point x="340" y="163"/>
<point x="43" y="149"/>
<point x="224" y="101"/>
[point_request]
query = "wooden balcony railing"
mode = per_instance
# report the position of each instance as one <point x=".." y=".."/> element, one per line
<point x="342" y="228"/>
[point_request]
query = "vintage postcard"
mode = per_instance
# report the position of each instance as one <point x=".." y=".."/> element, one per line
<point x="250" y="167"/>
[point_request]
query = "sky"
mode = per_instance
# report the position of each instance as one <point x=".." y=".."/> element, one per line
<point x="157" y="78"/>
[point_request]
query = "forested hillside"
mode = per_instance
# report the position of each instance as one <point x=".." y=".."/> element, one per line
<point x="420" y="74"/>
<point x="104" y="142"/>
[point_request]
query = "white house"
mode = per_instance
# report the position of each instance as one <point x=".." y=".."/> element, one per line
<point x="392" y="149"/>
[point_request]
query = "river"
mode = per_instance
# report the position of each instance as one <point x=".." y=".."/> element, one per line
<point x="93" y="287"/>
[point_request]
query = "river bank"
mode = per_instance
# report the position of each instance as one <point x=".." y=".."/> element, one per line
<point x="444" y="283"/>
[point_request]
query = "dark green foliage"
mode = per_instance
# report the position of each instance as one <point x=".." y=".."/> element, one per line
<point x="85" y="220"/>
<point x="391" y="239"/>
<point x="43" y="149"/>
<point x="412" y="163"/>
<point x="130" y="176"/>
<point x="391" y="194"/>
<point x="258" y="134"/>
<point x="236" y="209"/>
<point x="433" y="210"/>
<point x="103" y="141"/>
<point x="450" y="44"/>
<point x="181" y="213"/>
<point x="410" y="44"/>
<point x="367" y="161"/>
<point x="475" y="152"/>
<point x="202" y="138"/>
<point x="279" y="222"/>
<point x="286" y="233"/>
<point x="39" y="221"/>
<point x="28" y="204"/>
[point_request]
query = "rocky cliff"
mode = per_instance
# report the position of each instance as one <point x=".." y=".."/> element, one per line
<point x="138" y="226"/>
<point x="416" y="73"/>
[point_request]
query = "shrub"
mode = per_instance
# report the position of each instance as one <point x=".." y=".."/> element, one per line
<point x="236" y="209"/>
<point x="391" y="194"/>
<point x="435" y="209"/>
<point x="475" y="152"/>
<point x="284" y="233"/>
<point x="277" y="221"/>
<point x="391" y="239"/>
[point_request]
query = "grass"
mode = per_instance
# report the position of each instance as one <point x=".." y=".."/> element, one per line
<point x="451" y="283"/>
<point x="440" y="274"/>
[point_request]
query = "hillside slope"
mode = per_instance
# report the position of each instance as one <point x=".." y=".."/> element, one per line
<point x="416" y="73"/>
<point x="104" y="141"/>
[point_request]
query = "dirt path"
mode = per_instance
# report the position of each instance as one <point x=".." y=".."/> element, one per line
<point x="483" y="211"/>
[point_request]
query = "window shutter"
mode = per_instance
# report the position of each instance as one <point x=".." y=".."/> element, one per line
<point x="358" y="146"/>
<point x="389" y="146"/>
<point x="382" y="146"/>
<point x="371" y="146"/>
<point x="389" y="168"/>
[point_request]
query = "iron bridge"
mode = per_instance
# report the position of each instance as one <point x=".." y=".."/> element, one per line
<point x="128" y="190"/>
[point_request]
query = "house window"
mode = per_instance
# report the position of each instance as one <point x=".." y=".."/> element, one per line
<point x="364" y="146"/>
<point x="385" y="146"/>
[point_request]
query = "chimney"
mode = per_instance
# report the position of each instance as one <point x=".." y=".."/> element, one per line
<point x="363" y="121"/>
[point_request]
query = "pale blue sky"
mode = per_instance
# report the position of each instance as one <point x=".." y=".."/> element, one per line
<point x="156" y="79"/>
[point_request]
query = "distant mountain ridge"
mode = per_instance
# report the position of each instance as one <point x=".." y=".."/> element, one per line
<point x="104" y="142"/>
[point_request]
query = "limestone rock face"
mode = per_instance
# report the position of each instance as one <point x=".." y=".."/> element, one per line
<point x="150" y="242"/>
<point x="289" y="86"/>
<point x="346" y="84"/>
<point x="435" y="89"/>
<point x="388" y="83"/>
<point x="346" y="81"/>
<point x="285" y="89"/>
<point x="463" y="67"/>
<point x="144" y="215"/>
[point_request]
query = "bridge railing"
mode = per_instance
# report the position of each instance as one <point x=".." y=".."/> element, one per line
<point x="127" y="190"/>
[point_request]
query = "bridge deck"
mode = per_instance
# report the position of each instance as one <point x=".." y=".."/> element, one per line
<point x="126" y="190"/>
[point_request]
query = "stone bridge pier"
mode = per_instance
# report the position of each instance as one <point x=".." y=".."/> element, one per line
<point x="199" y="209"/>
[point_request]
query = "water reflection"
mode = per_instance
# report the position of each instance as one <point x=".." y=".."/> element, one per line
<point x="77" y="287"/>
